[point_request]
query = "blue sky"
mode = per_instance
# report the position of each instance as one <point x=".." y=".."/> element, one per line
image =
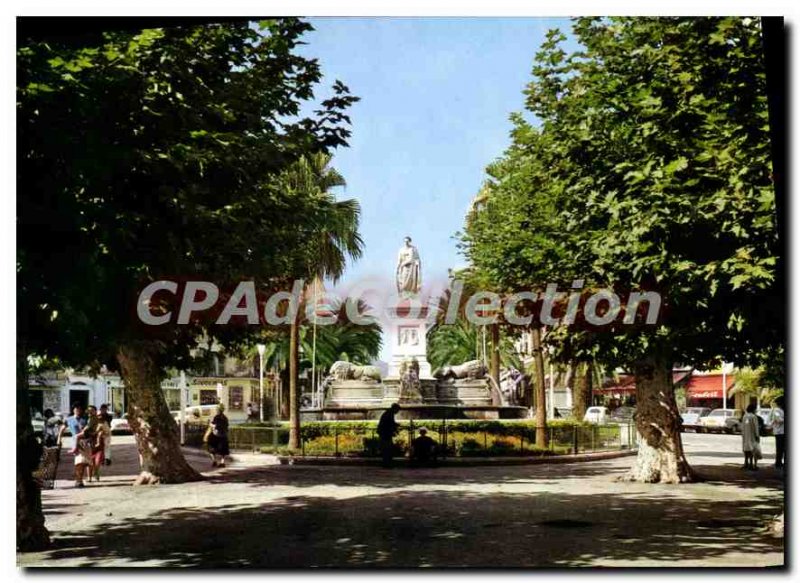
<point x="436" y="94"/>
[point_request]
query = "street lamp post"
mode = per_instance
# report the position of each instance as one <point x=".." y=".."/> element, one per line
<point x="182" y="387"/>
<point x="551" y="410"/>
<point x="261" y="348"/>
<point x="724" y="388"/>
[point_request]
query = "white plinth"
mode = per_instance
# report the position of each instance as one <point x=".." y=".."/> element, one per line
<point x="408" y="340"/>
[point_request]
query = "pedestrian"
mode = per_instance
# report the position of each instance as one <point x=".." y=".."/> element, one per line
<point x="101" y="436"/>
<point x="250" y="412"/>
<point x="77" y="423"/>
<point x="218" y="438"/>
<point x="107" y="417"/>
<point x="423" y="448"/>
<point x="88" y="437"/>
<point x="750" y="438"/>
<point x="777" y="419"/>
<point x="387" y="428"/>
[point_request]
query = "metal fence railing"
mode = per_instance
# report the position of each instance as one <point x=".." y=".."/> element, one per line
<point x="453" y="438"/>
<point x="241" y="437"/>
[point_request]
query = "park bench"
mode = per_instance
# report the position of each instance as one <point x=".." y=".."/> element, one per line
<point x="45" y="474"/>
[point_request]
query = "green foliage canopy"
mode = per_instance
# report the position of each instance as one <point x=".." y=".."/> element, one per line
<point x="161" y="153"/>
<point x="649" y="167"/>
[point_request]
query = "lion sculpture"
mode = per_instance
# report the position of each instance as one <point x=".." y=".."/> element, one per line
<point x="341" y="370"/>
<point x="472" y="369"/>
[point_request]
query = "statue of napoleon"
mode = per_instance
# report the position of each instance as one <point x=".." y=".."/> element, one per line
<point x="409" y="269"/>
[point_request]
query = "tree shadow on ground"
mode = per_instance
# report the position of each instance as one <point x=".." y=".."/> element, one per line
<point x="438" y="529"/>
<point x="125" y="463"/>
<point x="733" y="474"/>
<point x="307" y="476"/>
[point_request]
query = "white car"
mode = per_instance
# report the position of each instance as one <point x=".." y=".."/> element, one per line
<point x="198" y="413"/>
<point x="764" y="414"/>
<point x="719" y="418"/>
<point x="595" y="415"/>
<point x="120" y="424"/>
<point x="693" y="415"/>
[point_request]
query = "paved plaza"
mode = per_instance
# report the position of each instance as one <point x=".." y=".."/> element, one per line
<point x="259" y="514"/>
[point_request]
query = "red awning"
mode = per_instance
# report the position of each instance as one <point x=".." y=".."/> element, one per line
<point x="708" y="386"/>
<point x="626" y="385"/>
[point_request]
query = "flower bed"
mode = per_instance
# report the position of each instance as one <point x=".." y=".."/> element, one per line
<point x="455" y="438"/>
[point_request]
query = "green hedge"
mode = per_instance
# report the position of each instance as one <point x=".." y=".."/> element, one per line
<point x="513" y="428"/>
<point x="490" y="437"/>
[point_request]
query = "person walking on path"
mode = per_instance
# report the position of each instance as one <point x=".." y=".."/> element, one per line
<point x="750" y="438"/>
<point x="107" y="417"/>
<point x="77" y="424"/>
<point x="777" y="419"/>
<point x="387" y="428"/>
<point x="101" y="435"/>
<point x="218" y="438"/>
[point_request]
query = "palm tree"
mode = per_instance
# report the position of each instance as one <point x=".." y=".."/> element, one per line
<point x="334" y="237"/>
<point x="342" y="340"/>
<point x="345" y="340"/>
<point x="462" y="341"/>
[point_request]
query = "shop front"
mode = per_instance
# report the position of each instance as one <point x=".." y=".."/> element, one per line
<point x="711" y="390"/>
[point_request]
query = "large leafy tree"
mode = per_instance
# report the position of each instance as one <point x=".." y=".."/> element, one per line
<point x="155" y="154"/>
<point x="514" y="239"/>
<point x="652" y="146"/>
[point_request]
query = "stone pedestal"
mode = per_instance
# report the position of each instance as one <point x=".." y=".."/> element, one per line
<point x="408" y="339"/>
<point x="354" y="394"/>
<point x="464" y="392"/>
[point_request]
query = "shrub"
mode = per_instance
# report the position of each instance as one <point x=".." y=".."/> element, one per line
<point x="463" y="437"/>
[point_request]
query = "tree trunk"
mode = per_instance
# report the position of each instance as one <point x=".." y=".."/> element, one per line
<point x="294" y="400"/>
<point x="156" y="432"/>
<point x="494" y="363"/>
<point x="541" y="390"/>
<point x="281" y="412"/>
<point x="658" y="426"/>
<point x="582" y="389"/>
<point x="31" y="532"/>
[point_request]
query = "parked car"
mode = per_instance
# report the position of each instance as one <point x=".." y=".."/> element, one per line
<point x="692" y="415"/>
<point x="595" y="415"/>
<point x="720" y="418"/>
<point x="199" y="413"/>
<point x="622" y="415"/>
<point x="120" y="424"/>
<point x="764" y="414"/>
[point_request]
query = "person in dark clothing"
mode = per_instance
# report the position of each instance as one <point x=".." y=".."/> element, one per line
<point x="387" y="428"/>
<point x="218" y="438"/>
<point x="423" y="449"/>
<point x="777" y="420"/>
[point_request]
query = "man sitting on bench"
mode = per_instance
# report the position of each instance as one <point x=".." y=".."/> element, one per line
<point x="423" y="449"/>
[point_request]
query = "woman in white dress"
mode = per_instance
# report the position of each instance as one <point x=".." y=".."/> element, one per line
<point x="750" y="438"/>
